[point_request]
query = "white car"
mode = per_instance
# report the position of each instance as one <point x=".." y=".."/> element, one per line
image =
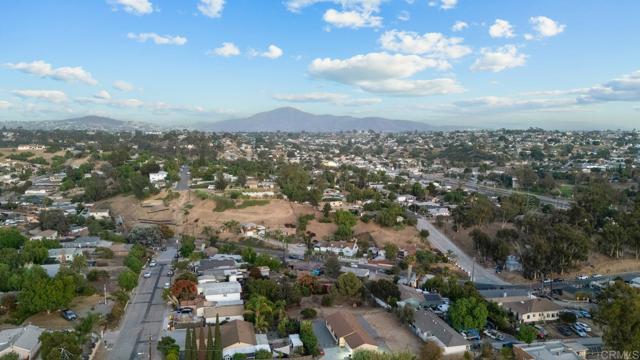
<point x="167" y="285"/>
<point x="582" y="277"/>
<point x="153" y="263"/>
<point x="584" y="326"/>
<point x="146" y="275"/>
<point x="578" y="330"/>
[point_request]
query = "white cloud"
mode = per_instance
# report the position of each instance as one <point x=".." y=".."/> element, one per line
<point x="351" y="19"/>
<point x="273" y="52"/>
<point x="407" y="87"/>
<point x="501" y="29"/>
<point x="404" y="15"/>
<point x="211" y="8"/>
<point x="54" y="96"/>
<point x="384" y="73"/>
<point x="505" y="57"/>
<point x="103" y="94"/>
<point x="459" y="26"/>
<point x="353" y="13"/>
<point x="227" y="49"/>
<point x="45" y="70"/>
<point x="496" y="103"/>
<point x="106" y="99"/>
<point x="624" y="88"/>
<point x="158" y="39"/>
<point x="123" y="85"/>
<point x="324" y="97"/>
<point x="448" y="4"/>
<point x="432" y="44"/>
<point x="544" y="27"/>
<point x="137" y="7"/>
<point x="4" y="104"/>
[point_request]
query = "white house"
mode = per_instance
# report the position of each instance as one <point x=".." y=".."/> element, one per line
<point x="23" y="341"/>
<point x="158" y="177"/>
<point x="64" y="255"/>
<point x="220" y="292"/>
<point x="341" y="248"/>
<point x="534" y="310"/>
<point x="430" y="327"/>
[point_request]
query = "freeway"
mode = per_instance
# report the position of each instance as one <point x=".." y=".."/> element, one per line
<point x="489" y="190"/>
<point x="145" y="315"/>
<point x="441" y="242"/>
<point x="185" y="177"/>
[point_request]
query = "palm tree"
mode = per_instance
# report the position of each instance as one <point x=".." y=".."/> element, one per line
<point x="410" y="260"/>
<point x="280" y="308"/>
<point x="260" y="306"/>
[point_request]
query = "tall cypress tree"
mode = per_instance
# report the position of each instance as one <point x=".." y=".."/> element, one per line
<point x="194" y="345"/>
<point x="209" y="344"/>
<point x="217" y="345"/>
<point x="187" y="346"/>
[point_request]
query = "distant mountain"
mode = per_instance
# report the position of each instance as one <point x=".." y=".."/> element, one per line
<point x="83" y="123"/>
<point x="294" y="120"/>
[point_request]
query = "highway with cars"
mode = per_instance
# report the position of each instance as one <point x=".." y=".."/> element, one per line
<point x="145" y="314"/>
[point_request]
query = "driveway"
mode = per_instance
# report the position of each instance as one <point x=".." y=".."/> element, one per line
<point x="465" y="262"/>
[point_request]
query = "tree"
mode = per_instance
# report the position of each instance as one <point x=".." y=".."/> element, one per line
<point x="349" y="286"/>
<point x="430" y="351"/>
<point x="468" y="313"/>
<point x="527" y="333"/>
<point x="168" y="345"/>
<point x="217" y="345"/>
<point x="385" y="290"/>
<point x="221" y="183"/>
<point x="58" y="345"/>
<point x="34" y="252"/>
<point x="391" y="251"/>
<point x="345" y="221"/>
<point x="53" y="220"/>
<point x="308" y="338"/>
<point x="263" y="354"/>
<point x="260" y="307"/>
<point x="210" y="345"/>
<point x="184" y="289"/>
<point x="332" y="266"/>
<point x="326" y="210"/>
<point x="619" y="317"/>
<point x="128" y="280"/>
<point x="11" y="237"/>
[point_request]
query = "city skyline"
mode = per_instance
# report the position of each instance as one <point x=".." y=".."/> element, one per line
<point x="443" y="62"/>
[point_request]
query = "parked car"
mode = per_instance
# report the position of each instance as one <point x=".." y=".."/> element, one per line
<point x="153" y="263"/>
<point x="167" y="285"/>
<point x="584" y="326"/>
<point x="582" y="277"/>
<point x="585" y="314"/>
<point x="542" y="332"/>
<point x="170" y="273"/>
<point x="564" y="330"/>
<point x="578" y="330"/>
<point x="185" y="310"/>
<point x="146" y="275"/>
<point x="69" y="314"/>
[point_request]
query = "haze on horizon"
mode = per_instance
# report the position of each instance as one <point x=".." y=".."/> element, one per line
<point x="495" y="63"/>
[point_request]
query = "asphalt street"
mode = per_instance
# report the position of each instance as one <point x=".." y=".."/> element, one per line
<point x="185" y="177"/>
<point x="144" y="317"/>
<point x="441" y="242"/>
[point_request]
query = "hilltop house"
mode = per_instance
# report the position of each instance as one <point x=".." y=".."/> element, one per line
<point x="534" y="310"/>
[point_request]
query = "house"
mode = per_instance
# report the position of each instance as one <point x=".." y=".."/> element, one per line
<point x="225" y="312"/>
<point x="501" y="296"/>
<point x="430" y="327"/>
<point x="23" y="341"/>
<point x="550" y="350"/>
<point x="43" y="234"/>
<point x="220" y="292"/>
<point x="361" y="273"/>
<point x="340" y="248"/>
<point x="348" y="332"/>
<point x="86" y="242"/>
<point x="534" y="310"/>
<point x="98" y="214"/>
<point x="160" y="176"/>
<point x="238" y="337"/>
<point x="64" y="255"/>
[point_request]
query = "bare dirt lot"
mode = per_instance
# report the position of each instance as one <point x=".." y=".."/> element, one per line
<point x="82" y="305"/>
<point x="191" y="215"/>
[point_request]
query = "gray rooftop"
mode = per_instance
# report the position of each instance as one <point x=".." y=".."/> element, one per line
<point x="429" y="322"/>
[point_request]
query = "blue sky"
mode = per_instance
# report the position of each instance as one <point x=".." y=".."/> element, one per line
<point x="467" y="62"/>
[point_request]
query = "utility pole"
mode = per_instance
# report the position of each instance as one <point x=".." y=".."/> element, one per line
<point x="149" y="347"/>
<point x="105" y="293"/>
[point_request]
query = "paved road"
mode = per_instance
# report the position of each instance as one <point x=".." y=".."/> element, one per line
<point x="145" y="315"/>
<point x="444" y="244"/>
<point x="559" y="203"/>
<point x="185" y="177"/>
